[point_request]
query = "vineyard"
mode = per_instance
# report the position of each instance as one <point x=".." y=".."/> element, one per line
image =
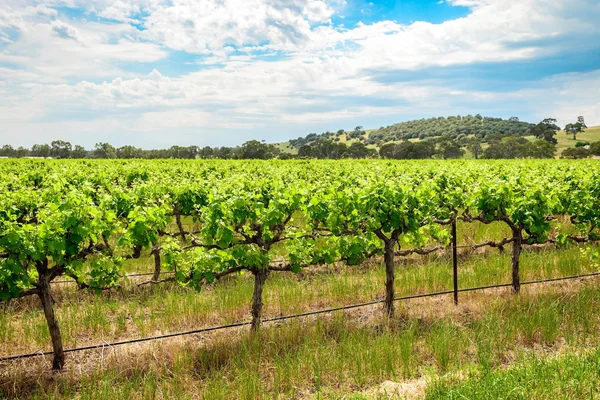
<point x="205" y="240"/>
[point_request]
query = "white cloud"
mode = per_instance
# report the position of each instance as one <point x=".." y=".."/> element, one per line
<point x="267" y="64"/>
<point x="58" y="51"/>
<point x="468" y="3"/>
<point x="10" y="19"/>
<point x="42" y="11"/>
<point x="570" y="96"/>
<point x="121" y="11"/>
<point x="65" y="30"/>
<point x="206" y="26"/>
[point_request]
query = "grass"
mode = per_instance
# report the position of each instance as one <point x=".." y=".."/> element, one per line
<point x="567" y="377"/>
<point x="86" y="318"/>
<point x="592" y="134"/>
<point x="345" y="355"/>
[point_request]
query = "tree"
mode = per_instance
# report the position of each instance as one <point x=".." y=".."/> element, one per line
<point x="323" y="148"/>
<point x="575" y="128"/>
<point x="79" y="152"/>
<point x="539" y="149"/>
<point x="40" y="150"/>
<point x="388" y="150"/>
<point x="189" y="152"/>
<point x="448" y="148"/>
<point x="224" y="153"/>
<point x="356" y="133"/>
<point x="546" y="130"/>
<point x="254" y="149"/>
<point x="104" y="150"/>
<point x="359" y="150"/>
<point x="575" y="153"/>
<point x="22" y="152"/>
<point x="7" y="151"/>
<point x="474" y="146"/>
<point x="129" y="152"/>
<point x="408" y="150"/>
<point x="519" y="147"/>
<point x="60" y="149"/>
<point x="206" y="152"/>
<point x="595" y="148"/>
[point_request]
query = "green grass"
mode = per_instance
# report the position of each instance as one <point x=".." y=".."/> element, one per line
<point x="565" y="377"/>
<point x="286" y="147"/>
<point x="592" y="134"/>
<point x="343" y="355"/>
<point x="86" y="318"/>
<point x="337" y="355"/>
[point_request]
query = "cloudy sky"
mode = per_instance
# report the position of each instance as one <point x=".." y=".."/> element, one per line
<point x="154" y="73"/>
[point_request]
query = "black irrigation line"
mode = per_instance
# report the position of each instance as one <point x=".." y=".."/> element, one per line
<point x="286" y="317"/>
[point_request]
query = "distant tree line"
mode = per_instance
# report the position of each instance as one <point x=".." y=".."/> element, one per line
<point x="252" y="149"/>
<point x="460" y="134"/>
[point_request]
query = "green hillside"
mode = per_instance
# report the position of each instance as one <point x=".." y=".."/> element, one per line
<point x="591" y="134"/>
<point x="375" y="138"/>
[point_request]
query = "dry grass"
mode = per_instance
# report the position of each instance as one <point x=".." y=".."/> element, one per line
<point x="315" y="356"/>
<point x="340" y="343"/>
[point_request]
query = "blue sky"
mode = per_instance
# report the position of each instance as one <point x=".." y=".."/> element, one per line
<point x="156" y="73"/>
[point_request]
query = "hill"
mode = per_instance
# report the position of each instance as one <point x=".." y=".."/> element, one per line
<point x="456" y="127"/>
<point x="453" y="127"/>
<point x="591" y="134"/>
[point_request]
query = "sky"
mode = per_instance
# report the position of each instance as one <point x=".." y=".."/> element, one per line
<point x="157" y="73"/>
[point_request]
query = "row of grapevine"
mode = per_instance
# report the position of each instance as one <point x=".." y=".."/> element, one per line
<point x="82" y="219"/>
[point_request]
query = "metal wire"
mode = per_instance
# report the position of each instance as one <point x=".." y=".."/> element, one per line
<point x="286" y="317"/>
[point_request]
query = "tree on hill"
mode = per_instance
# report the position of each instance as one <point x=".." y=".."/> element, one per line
<point x="546" y="130"/>
<point x="474" y="146"/>
<point x="576" y="128"/>
<point x="358" y="132"/>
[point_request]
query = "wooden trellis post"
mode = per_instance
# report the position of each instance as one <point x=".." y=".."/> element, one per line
<point x="454" y="261"/>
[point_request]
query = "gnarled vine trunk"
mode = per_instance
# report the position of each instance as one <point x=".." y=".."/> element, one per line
<point x="260" y="277"/>
<point x="58" y="360"/>
<point x="180" y="226"/>
<point x="516" y="254"/>
<point x="157" y="264"/>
